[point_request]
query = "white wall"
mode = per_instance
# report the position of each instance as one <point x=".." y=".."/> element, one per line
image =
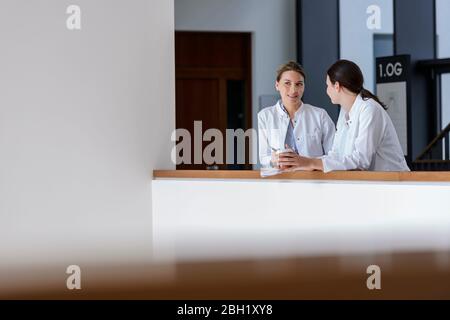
<point x="272" y="23"/>
<point x="357" y="39"/>
<point x="84" y="118"/>
<point x="443" y="32"/>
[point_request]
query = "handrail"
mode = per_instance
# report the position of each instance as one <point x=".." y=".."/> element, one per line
<point x="428" y="148"/>
<point x="436" y="65"/>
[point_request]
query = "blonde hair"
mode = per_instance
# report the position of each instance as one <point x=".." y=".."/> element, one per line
<point x="290" y="66"/>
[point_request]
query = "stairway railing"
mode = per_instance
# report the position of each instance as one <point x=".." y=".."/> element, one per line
<point x="436" y="156"/>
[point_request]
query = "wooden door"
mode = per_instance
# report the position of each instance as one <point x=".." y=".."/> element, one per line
<point x="208" y="65"/>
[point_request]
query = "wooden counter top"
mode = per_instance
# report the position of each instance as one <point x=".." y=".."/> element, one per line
<point x="423" y="176"/>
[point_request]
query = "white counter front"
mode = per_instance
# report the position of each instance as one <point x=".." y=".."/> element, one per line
<point x="231" y="218"/>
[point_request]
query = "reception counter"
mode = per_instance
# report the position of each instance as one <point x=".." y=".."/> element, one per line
<point x="210" y="215"/>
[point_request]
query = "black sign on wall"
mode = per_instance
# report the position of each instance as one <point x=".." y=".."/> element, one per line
<point x="393" y="69"/>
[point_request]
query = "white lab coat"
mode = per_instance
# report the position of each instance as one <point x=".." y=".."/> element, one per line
<point x="313" y="130"/>
<point x="365" y="140"/>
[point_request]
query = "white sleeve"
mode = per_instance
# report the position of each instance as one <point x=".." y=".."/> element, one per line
<point x="328" y="132"/>
<point x="265" y="152"/>
<point x="366" y="143"/>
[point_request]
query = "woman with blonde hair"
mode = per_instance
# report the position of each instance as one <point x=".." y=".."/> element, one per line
<point x="291" y="125"/>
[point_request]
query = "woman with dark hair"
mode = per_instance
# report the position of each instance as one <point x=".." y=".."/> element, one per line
<point x="365" y="139"/>
<point x="291" y="125"/>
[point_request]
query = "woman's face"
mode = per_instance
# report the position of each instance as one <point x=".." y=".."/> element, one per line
<point x="291" y="87"/>
<point x="332" y="91"/>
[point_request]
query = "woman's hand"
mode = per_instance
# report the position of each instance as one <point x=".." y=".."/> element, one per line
<point x="291" y="160"/>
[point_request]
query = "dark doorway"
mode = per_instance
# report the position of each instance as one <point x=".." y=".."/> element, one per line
<point x="213" y="85"/>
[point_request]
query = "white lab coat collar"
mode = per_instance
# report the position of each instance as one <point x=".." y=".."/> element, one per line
<point x="356" y="106"/>
<point x="354" y="110"/>
<point x="283" y="114"/>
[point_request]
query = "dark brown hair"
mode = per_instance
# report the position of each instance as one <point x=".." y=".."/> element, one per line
<point x="349" y="75"/>
<point x="290" y="66"/>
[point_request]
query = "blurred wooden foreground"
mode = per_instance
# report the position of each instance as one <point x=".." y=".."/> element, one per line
<point x="423" y="275"/>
